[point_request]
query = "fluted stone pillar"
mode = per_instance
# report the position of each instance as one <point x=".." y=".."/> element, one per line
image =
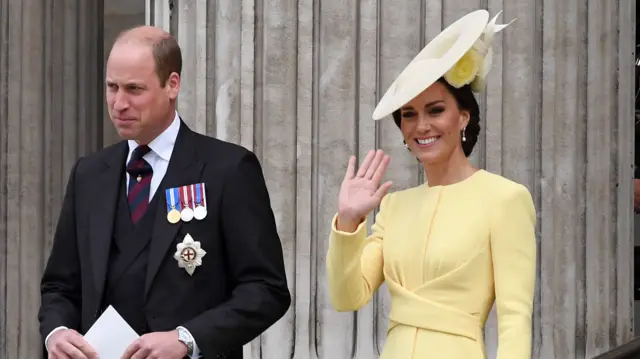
<point x="119" y="15"/>
<point x="50" y="115"/>
<point x="583" y="177"/>
<point x="297" y="82"/>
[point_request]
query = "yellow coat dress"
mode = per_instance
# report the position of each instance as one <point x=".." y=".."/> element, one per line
<point x="446" y="253"/>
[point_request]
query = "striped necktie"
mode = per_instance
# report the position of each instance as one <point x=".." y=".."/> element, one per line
<point x="140" y="173"/>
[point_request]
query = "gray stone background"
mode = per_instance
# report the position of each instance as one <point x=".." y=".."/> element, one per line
<point x="297" y="81"/>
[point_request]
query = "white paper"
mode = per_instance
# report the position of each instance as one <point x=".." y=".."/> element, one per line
<point x="110" y="335"/>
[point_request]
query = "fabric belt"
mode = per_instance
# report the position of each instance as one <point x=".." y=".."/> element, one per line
<point x="410" y="309"/>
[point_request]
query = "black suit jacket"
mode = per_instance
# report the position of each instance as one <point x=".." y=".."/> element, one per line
<point x="238" y="292"/>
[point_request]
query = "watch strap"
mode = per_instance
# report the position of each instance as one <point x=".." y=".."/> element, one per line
<point x="185" y="337"/>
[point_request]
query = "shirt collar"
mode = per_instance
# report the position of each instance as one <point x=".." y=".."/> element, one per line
<point x="163" y="144"/>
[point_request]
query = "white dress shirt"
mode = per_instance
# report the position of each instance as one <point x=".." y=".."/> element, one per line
<point x="158" y="158"/>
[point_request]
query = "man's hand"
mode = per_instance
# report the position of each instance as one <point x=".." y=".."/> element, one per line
<point x="161" y="345"/>
<point x="69" y="344"/>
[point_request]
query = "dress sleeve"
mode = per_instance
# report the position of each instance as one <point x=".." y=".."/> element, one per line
<point x="513" y="247"/>
<point x="355" y="262"/>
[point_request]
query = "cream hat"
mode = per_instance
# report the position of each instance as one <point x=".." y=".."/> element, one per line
<point x="461" y="53"/>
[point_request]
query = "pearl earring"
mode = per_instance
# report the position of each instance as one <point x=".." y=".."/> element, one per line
<point x="464" y="138"/>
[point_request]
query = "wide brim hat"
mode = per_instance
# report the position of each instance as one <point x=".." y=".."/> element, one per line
<point x="461" y="54"/>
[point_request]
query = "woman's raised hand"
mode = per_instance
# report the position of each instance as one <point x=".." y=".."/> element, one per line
<point x="361" y="192"/>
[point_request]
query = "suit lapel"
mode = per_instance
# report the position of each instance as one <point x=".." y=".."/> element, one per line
<point x="106" y="191"/>
<point x="184" y="169"/>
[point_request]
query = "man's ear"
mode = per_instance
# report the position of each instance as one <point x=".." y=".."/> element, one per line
<point x="173" y="85"/>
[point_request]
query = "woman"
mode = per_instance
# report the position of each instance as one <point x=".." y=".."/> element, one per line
<point x="449" y="248"/>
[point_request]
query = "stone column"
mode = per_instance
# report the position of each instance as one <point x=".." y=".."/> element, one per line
<point x="217" y="40"/>
<point x="297" y="82"/>
<point x="119" y="15"/>
<point x="50" y="115"/>
<point x="582" y="172"/>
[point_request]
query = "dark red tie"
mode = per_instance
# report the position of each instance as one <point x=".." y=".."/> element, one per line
<point x="140" y="174"/>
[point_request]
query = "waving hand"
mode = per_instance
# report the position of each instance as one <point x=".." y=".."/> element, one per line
<point x="361" y="192"/>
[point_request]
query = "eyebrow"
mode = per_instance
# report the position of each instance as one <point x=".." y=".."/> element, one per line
<point x="427" y="105"/>
<point x="127" y="84"/>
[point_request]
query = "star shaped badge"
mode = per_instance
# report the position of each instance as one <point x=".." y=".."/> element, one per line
<point x="189" y="254"/>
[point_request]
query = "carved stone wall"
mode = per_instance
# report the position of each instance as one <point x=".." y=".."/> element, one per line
<point x="50" y="114"/>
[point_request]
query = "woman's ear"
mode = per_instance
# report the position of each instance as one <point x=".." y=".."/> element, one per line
<point x="464" y="119"/>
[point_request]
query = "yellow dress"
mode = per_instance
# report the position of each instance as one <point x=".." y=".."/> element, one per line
<point x="446" y="253"/>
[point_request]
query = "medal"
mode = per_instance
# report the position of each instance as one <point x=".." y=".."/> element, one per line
<point x="173" y="214"/>
<point x="185" y="200"/>
<point x="189" y="254"/>
<point x="201" y="205"/>
<point x="200" y="212"/>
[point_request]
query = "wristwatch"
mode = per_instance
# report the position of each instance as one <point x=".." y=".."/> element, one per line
<point x="185" y="337"/>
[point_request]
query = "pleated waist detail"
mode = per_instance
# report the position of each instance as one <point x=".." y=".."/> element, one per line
<point x="407" y="308"/>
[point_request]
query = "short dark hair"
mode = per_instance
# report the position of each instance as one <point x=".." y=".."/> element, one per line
<point x="167" y="57"/>
<point x="165" y="50"/>
<point x="466" y="102"/>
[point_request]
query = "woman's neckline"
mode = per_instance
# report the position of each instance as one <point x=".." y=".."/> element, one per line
<point x="468" y="179"/>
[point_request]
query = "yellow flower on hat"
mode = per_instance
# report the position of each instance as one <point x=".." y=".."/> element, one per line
<point x="465" y="70"/>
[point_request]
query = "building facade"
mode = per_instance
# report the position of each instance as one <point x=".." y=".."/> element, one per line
<point x="297" y="82"/>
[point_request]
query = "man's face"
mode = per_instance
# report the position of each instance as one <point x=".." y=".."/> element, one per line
<point x="139" y="106"/>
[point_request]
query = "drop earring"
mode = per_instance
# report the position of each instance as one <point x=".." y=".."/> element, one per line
<point x="406" y="146"/>
<point x="464" y="138"/>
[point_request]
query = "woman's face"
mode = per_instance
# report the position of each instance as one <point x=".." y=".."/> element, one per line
<point x="432" y="124"/>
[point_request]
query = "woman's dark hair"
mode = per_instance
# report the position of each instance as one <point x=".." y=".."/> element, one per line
<point x="466" y="102"/>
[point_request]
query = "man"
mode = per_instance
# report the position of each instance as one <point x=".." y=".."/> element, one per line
<point x="171" y="228"/>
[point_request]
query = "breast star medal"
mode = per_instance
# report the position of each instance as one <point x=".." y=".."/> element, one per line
<point x="173" y="214"/>
<point x="189" y="254"/>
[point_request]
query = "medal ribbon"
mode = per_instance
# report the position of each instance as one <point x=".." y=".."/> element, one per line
<point x="185" y="198"/>
<point x="176" y="192"/>
<point x="169" y="199"/>
<point x="173" y="199"/>
<point x="204" y="196"/>
<point x="198" y="195"/>
<point x="192" y="196"/>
